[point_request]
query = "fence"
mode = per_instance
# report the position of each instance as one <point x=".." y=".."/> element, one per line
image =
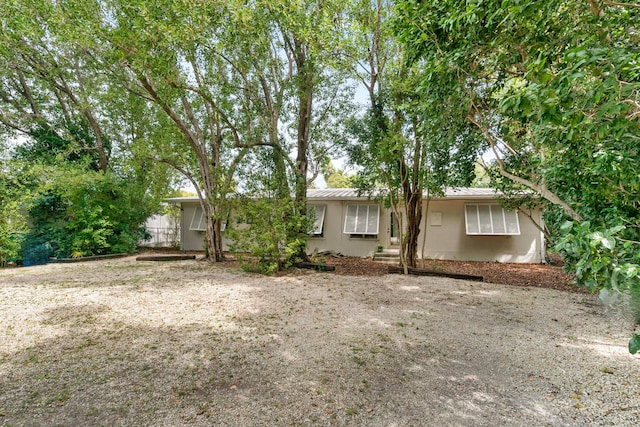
<point x="164" y="231"/>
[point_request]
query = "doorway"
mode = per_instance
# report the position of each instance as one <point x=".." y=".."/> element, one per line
<point x="394" y="230"/>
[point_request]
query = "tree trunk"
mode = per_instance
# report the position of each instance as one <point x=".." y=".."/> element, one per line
<point x="413" y="202"/>
<point x="103" y="160"/>
<point x="211" y="209"/>
<point x="214" y="236"/>
<point x="306" y="74"/>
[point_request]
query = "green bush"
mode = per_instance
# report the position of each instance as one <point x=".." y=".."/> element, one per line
<point x="265" y="230"/>
<point x="84" y="213"/>
<point x="12" y="225"/>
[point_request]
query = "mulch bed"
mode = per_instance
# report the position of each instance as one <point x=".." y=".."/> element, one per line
<point x="537" y="275"/>
<point x="550" y="276"/>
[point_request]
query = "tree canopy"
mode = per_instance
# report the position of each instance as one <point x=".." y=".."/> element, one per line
<point x="554" y="88"/>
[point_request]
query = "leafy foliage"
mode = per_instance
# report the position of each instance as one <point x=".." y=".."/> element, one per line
<point x="265" y="222"/>
<point x="596" y="256"/>
<point x="263" y="230"/>
<point x="79" y="213"/>
<point x="555" y="89"/>
<point x="407" y="144"/>
<point x="338" y="178"/>
<point x="634" y="344"/>
<point x="12" y="222"/>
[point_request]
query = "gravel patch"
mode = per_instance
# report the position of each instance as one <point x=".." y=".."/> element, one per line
<point x="122" y="343"/>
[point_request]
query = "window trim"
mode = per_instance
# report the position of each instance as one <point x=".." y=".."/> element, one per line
<point x="355" y="230"/>
<point x="202" y="221"/>
<point x="492" y="222"/>
<point x="318" y="231"/>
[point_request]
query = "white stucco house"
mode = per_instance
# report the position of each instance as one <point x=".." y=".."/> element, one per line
<point x="466" y="224"/>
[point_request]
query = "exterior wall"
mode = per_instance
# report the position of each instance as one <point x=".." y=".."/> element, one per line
<point x="450" y="241"/>
<point x="189" y="240"/>
<point x="334" y="239"/>
<point x="445" y="241"/>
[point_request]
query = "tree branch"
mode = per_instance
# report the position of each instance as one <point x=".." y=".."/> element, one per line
<point x="183" y="171"/>
<point x="615" y="3"/>
<point x="538" y="188"/>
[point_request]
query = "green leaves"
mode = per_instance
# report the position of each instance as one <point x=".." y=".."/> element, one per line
<point x="265" y="229"/>
<point x="600" y="258"/>
<point x="607" y="242"/>
<point x="634" y="344"/>
<point x="555" y="86"/>
<point x="79" y="212"/>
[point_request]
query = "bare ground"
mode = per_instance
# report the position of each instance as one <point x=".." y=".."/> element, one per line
<point x="124" y="343"/>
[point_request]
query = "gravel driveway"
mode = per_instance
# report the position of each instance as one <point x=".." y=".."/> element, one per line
<point x="126" y="343"/>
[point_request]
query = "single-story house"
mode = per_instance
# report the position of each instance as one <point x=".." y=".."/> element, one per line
<point x="466" y="224"/>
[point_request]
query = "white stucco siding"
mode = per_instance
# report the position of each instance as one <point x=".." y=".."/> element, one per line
<point x="443" y="221"/>
<point x="193" y="240"/>
<point x="334" y="238"/>
<point x="450" y="241"/>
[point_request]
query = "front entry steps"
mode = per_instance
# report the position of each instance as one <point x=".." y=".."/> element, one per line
<point x="388" y="256"/>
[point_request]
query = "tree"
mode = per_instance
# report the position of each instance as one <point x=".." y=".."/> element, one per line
<point x="77" y="160"/>
<point x="167" y="54"/>
<point x="308" y="34"/>
<point x="226" y="75"/>
<point x="406" y="140"/>
<point x="553" y="87"/>
<point x="337" y="178"/>
<point x="49" y="90"/>
<point x="12" y="224"/>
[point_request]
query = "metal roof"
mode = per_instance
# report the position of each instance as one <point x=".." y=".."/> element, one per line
<point x="182" y="199"/>
<point x="352" y="194"/>
<point x="450" y="193"/>
<point x="471" y="193"/>
<point x="338" y="194"/>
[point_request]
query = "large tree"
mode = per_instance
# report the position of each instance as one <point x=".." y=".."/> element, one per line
<point x="406" y="142"/>
<point x="70" y="120"/>
<point x="229" y="76"/>
<point x="50" y="93"/>
<point x="554" y="88"/>
<point x="281" y="54"/>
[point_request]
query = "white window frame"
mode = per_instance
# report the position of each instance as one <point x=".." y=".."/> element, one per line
<point x="199" y="221"/>
<point x="318" y="224"/>
<point x="362" y="213"/>
<point x="498" y="218"/>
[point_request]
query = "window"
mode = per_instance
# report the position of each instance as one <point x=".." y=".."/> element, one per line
<point x="362" y="219"/>
<point x="318" y="214"/>
<point x="490" y="219"/>
<point x="199" y="221"/>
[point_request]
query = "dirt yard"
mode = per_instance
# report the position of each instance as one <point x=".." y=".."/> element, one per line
<point x="124" y="343"/>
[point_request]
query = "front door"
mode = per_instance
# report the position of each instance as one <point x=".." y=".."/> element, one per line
<point x="394" y="230"/>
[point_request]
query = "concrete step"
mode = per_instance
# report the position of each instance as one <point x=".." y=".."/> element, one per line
<point x="388" y="256"/>
<point x="392" y="261"/>
<point x="390" y="251"/>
